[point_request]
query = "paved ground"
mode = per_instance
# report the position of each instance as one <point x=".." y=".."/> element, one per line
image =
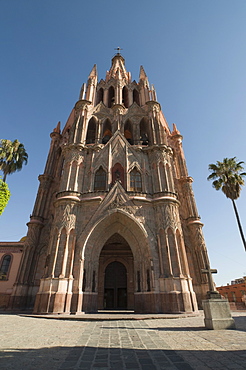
<point x="165" y="343"/>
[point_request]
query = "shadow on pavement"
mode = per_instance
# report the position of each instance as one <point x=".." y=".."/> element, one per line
<point x="167" y="328"/>
<point x="240" y="322"/>
<point x="117" y="358"/>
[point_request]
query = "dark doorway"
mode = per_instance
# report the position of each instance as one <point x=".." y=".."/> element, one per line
<point x="115" y="286"/>
<point x="116" y="275"/>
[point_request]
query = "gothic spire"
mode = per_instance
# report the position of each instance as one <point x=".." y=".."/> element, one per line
<point x="93" y="72"/>
<point x="58" y="127"/>
<point x="118" y="69"/>
<point x="142" y="74"/>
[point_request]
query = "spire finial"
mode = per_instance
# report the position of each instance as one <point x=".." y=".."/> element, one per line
<point x="118" y="49"/>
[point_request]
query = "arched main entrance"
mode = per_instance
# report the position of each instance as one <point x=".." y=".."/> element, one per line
<point x="115" y="286"/>
<point x="116" y="276"/>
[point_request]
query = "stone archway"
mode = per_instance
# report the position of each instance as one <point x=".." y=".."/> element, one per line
<point x="116" y="275"/>
<point x="133" y="252"/>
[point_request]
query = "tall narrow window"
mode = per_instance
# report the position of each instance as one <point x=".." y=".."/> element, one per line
<point x="91" y="131"/>
<point x="107" y="131"/>
<point x="136" y="97"/>
<point x="99" y="95"/>
<point x="144" y="132"/>
<point x="125" y="99"/>
<point x="135" y="180"/>
<point x="118" y="174"/>
<point x="128" y="132"/>
<point x="100" y="180"/>
<point x="4" y="269"/>
<point x="111" y="98"/>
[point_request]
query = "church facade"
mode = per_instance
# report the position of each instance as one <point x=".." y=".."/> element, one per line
<point x="115" y="223"/>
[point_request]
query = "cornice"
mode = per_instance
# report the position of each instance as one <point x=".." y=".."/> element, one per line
<point x="194" y="221"/>
<point x="186" y="179"/>
<point x="153" y="105"/>
<point x="81" y="104"/>
<point x="157" y="147"/>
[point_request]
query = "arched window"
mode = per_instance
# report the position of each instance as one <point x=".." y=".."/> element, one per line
<point x="125" y="99"/>
<point x="135" y="180"/>
<point x="107" y="131"/>
<point x="91" y="131"/>
<point x="144" y="132"/>
<point x="136" y="96"/>
<point x="4" y="269"/>
<point x="100" y="95"/>
<point x="110" y="96"/>
<point x="128" y="132"/>
<point x="100" y="179"/>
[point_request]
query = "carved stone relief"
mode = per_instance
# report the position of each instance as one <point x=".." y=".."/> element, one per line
<point x="170" y="216"/>
<point x="120" y="203"/>
<point x="68" y="219"/>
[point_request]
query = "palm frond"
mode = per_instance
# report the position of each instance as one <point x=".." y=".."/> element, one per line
<point x="227" y="176"/>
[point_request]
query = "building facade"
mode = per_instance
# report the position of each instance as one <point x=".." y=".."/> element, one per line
<point x="10" y="259"/>
<point x="115" y="223"/>
<point x="235" y="293"/>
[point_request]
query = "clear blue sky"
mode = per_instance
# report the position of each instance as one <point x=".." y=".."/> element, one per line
<point x="193" y="51"/>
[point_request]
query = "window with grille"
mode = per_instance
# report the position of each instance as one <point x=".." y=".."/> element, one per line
<point x="100" y="179"/>
<point x="135" y="180"/>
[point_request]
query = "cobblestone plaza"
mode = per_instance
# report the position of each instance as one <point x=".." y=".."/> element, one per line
<point x="110" y="342"/>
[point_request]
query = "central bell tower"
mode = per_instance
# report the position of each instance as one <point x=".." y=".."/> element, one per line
<point x="115" y="223"/>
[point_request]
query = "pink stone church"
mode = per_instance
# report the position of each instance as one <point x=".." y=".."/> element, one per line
<point x="115" y="224"/>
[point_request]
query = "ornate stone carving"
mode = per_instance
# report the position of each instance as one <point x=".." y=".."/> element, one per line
<point x="68" y="219"/>
<point x="170" y="216"/>
<point x="120" y="203"/>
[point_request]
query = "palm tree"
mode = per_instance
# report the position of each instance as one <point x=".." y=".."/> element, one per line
<point x="4" y="195"/>
<point x="12" y="156"/>
<point x="227" y="177"/>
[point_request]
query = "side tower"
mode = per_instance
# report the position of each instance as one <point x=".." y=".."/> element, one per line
<point x="115" y="224"/>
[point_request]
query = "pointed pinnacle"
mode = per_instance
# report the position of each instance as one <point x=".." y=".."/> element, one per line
<point x="175" y="130"/>
<point x="58" y="127"/>
<point x="142" y="74"/>
<point x="93" y="71"/>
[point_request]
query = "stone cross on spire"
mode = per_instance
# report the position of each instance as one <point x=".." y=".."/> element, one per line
<point x="118" y="49"/>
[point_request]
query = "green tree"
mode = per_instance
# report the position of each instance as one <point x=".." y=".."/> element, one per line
<point x="4" y="195"/>
<point x="227" y="176"/>
<point x="12" y="156"/>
